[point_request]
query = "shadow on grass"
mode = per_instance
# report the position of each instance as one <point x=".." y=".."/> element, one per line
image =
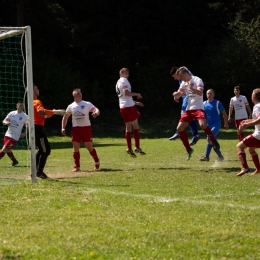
<point x="59" y="145"/>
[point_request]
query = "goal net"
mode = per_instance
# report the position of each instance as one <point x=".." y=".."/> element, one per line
<point x="16" y="85"/>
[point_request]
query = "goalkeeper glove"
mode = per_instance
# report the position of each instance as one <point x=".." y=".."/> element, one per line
<point x="60" y="112"/>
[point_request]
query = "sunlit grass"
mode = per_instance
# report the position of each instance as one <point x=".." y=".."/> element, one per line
<point x="157" y="206"/>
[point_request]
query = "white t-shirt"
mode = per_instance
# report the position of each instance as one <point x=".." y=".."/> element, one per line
<point x="194" y="101"/>
<point x="239" y="105"/>
<point x="256" y="115"/>
<point x="121" y="85"/>
<point x="18" y="120"/>
<point x="80" y="113"/>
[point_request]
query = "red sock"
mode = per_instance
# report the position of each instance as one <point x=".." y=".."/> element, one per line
<point x="184" y="137"/>
<point x="11" y="156"/>
<point x="2" y="154"/>
<point x="255" y="159"/>
<point x="94" y="155"/>
<point x="128" y="140"/>
<point x="137" y="138"/>
<point x="76" y="156"/>
<point x="242" y="158"/>
<point x="208" y="132"/>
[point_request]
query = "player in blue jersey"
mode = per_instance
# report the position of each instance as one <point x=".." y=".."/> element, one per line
<point x="213" y="109"/>
<point x="193" y="125"/>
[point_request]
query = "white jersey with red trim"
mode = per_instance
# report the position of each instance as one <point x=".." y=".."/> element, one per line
<point x="17" y="120"/>
<point x="256" y="115"/>
<point x="239" y="105"/>
<point x="80" y="113"/>
<point x="121" y="85"/>
<point x="195" y="101"/>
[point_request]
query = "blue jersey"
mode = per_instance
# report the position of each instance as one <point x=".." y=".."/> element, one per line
<point x="213" y="110"/>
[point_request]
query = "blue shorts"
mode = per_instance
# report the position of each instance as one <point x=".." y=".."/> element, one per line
<point x="214" y="128"/>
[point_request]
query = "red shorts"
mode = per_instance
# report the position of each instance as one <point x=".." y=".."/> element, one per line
<point x="238" y="122"/>
<point x="251" y="141"/>
<point x="81" y="134"/>
<point x="129" y="114"/>
<point x="9" y="142"/>
<point x="189" y="115"/>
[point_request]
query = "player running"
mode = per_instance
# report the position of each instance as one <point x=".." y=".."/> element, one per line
<point x="213" y="108"/>
<point x="15" y="121"/>
<point x="193" y="87"/>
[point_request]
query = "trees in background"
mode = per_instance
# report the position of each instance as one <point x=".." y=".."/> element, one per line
<point x="85" y="43"/>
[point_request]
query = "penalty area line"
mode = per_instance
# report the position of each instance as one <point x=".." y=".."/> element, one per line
<point x="160" y="199"/>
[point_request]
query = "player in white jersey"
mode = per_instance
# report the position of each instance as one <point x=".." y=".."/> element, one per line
<point x="252" y="141"/>
<point x="193" y="87"/>
<point x="240" y="104"/>
<point x="15" y="121"/>
<point x="129" y="111"/>
<point x="81" y="127"/>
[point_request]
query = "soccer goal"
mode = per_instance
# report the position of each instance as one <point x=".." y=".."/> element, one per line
<point x="16" y="83"/>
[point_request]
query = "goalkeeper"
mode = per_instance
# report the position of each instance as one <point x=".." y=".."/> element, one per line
<point x="44" y="149"/>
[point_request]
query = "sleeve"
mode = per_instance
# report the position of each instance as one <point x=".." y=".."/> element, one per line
<point x="199" y="84"/>
<point x="256" y="111"/>
<point x="39" y="106"/>
<point x="8" y="117"/>
<point x="124" y="85"/>
<point x="245" y="101"/>
<point x="231" y="103"/>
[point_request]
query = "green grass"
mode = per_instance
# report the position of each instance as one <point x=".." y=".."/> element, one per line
<point x="157" y="206"/>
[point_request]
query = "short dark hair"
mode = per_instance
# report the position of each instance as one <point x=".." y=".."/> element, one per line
<point x="173" y="70"/>
<point x="20" y="101"/>
<point x="237" y="88"/>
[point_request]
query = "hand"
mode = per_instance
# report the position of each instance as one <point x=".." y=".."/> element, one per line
<point x="139" y="96"/>
<point x="95" y="113"/>
<point x="63" y="131"/>
<point x="226" y="126"/>
<point x="140" y="104"/>
<point x="176" y="99"/>
<point x="42" y="113"/>
<point x="229" y="119"/>
<point x="60" y="112"/>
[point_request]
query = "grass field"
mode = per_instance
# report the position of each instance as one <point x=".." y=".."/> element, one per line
<point x="157" y="206"/>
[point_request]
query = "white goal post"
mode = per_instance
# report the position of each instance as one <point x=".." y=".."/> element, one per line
<point x="7" y="32"/>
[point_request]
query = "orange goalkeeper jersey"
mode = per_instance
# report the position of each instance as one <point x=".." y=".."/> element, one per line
<point x="38" y="119"/>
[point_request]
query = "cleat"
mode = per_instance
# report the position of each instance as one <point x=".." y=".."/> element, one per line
<point x="243" y="171"/>
<point x="257" y="171"/>
<point x="41" y="175"/>
<point x="76" y="169"/>
<point x="139" y="150"/>
<point x="131" y="153"/>
<point x="174" y="137"/>
<point x="220" y="159"/>
<point x="204" y="159"/>
<point x="96" y="165"/>
<point x="14" y="163"/>
<point x="216" y="145"/>
<point x="189" y="153"/>
<point x="195" y="139"/>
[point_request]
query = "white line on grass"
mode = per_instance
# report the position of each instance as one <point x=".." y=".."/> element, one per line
<point x="161" y="199"/>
